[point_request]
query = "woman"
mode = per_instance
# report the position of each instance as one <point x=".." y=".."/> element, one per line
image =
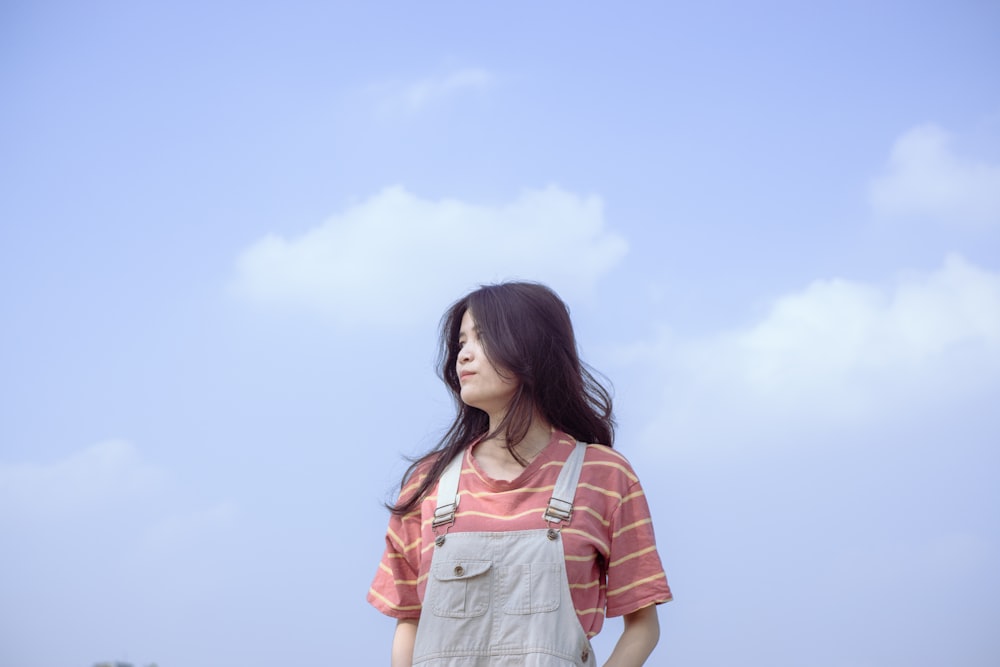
<point x="513" y="539"/>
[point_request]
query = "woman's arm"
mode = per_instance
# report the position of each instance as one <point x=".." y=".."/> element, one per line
<point x="402" y="642"/>
<point x="642" y="631"/>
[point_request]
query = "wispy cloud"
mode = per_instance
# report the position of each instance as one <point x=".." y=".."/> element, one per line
<point x="926" y="178"/>
<point x="396" y="255"/>
<point x="102" y="473"/>
<point x="404" y="97"/>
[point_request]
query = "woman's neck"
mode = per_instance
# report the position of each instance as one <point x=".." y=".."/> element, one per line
<point x="535" y="440"/>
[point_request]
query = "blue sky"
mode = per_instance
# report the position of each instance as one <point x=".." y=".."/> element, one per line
<point x="227" y="233"/>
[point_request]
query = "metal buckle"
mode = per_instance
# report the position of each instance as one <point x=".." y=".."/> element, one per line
<point x="444" y="515"/>
<point x="558" y="511"/>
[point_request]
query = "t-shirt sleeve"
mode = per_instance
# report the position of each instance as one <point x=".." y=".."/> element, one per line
<point x="635" y="574"/>
<point x="394" y="591"/>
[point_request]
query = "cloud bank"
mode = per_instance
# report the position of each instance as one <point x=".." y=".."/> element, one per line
<point x="396" y="257"/>
<point x="925" y="178"/>
<point x="836" y="351"/>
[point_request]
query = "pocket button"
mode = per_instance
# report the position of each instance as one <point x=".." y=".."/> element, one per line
<point x="459" y="571"/>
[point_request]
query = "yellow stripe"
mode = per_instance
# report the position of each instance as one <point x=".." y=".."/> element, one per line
<point x="585" y="586"/>
<point x="497" y="517"/>
<point x="604" y="450"/>
<point x="625" y="529"/>
<point x="632" y="496"/>
<point x="634" y="584"/>
<point x="618" y="466"/>
<point x="399" y="582"/>
<point x="492" y="494"/>
<point x="501" y="517"/>
<point x="579" y="559"/>
<point x="404" y="547"/>
<point x="601" y="490"/>
<point x="412" y="486"/>
<point x="398" y="541"/>
<point x="594" y="610"/>
<point x="594" y="513"/>
<point x="604" y="548"/>
<point x="641" y="552"/>
<point x="391" y="604"/>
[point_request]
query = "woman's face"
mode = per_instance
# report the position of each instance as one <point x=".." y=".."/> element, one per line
<point x="481" y="385"/>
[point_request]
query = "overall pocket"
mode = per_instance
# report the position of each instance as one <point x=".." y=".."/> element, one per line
<point x="460" y="588"/>
<point x="530" y="588"/>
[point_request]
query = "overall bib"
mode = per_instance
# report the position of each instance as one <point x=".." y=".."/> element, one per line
<point x="498" y="599"/>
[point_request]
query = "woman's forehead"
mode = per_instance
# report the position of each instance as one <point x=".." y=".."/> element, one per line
<point x="468" y="322"/>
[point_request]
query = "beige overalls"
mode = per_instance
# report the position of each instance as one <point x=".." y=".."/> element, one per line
<point x="501" y="599"/>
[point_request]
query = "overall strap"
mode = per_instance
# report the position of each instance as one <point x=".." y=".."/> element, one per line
<point x="447" y="493"/>
<point x="560" y="506"/>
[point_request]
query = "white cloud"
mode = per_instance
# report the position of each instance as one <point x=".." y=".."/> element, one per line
<point x="396" y="256"/>
<point x="103" y="472"/>
<point x="414" y="96"/>
<point x="925" y="178"/>
<point x="837" y="329"/>
<point x="834" y="352"/>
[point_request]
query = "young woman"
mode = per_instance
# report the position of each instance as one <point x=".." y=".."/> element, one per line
<point x="514" y="538"/>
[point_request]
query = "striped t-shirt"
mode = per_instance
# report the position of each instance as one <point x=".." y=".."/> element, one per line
<point x="611" y="559"/>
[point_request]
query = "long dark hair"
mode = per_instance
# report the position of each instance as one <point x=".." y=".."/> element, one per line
<point x="526" y="332"/>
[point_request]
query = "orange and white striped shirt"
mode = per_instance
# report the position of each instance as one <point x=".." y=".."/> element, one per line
<point x="611" y="559"/>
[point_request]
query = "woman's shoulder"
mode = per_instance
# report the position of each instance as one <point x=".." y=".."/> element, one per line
<point x="596" y="452"/>
<point x="416" y="475"/>
<point x="423" y="466"/>
<point x="603" y="461"/>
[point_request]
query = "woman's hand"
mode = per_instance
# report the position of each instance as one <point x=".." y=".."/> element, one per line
<point x="402" y="642"/>
<point x="642" y="631"/>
